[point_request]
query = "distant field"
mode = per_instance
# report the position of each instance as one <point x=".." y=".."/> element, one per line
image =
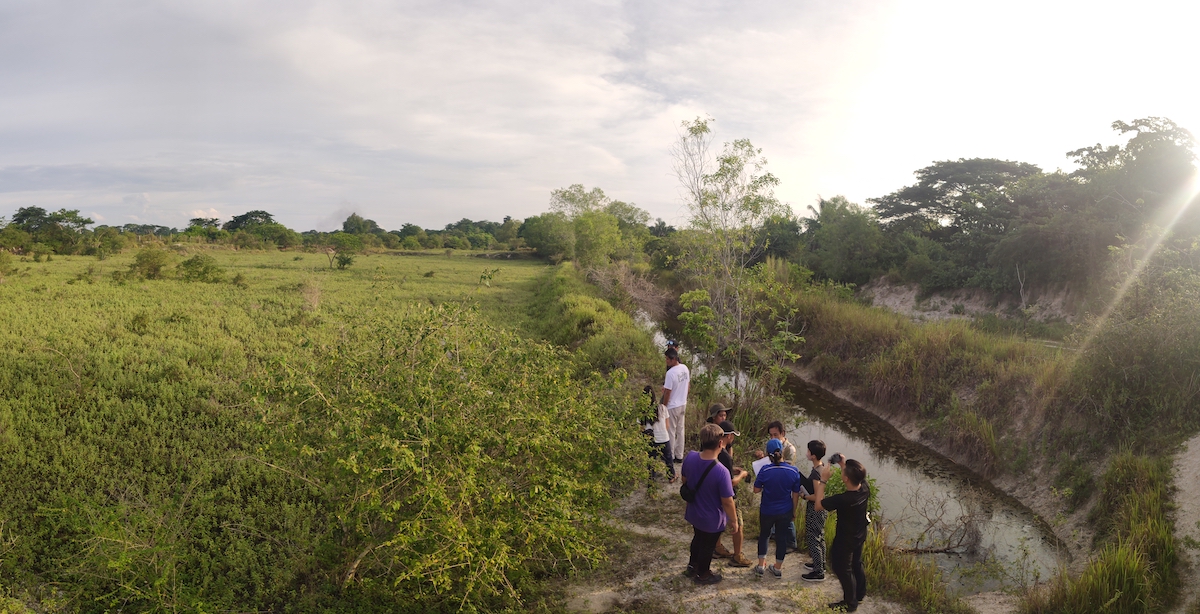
<point x="54" y="300"/>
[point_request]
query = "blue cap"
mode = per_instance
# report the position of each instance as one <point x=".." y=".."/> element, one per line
<point x="774" y="446"/>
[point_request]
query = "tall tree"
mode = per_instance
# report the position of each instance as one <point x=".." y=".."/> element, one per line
<point x="729" y="196"/>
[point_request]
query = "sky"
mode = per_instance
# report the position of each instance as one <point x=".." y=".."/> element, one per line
<point x="139" y="111"/>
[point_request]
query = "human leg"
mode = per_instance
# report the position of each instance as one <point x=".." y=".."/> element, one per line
<point x="667" y="460"/>
<point x="856" y="569"/>
<point x="677" y="431"/>
<point x="701" y="554"/>
<point x="780" y="522"/>
<point x="738" y="559"/>
<point x="814" y="535"/>
<point x="840" y="559"/>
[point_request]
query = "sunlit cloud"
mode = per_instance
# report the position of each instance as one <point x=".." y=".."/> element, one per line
<point x="430" y="112"/>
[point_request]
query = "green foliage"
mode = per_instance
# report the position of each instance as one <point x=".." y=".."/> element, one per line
<point x="432" y="515"/>
<point x="145" y="431"/>
<point x="597" y="238"/>
<point x="6" y="263"/>
<point x="907" y="579"/>
<point x="1136" y="570"/>
<point x="843" y="241"/>
<point x="551" y="234"/>
<point x="343" y="261"/>
<point x="604" y="338"/>
<point x="203" y="268"/>
<point x="150" y="263"/>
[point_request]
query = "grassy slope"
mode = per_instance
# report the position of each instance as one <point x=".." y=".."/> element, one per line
<point x="998" y="404"/>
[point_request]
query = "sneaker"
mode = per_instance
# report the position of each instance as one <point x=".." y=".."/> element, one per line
<point x="690" y="572"/>
<point x="808" y="566"/>
<point x="721" y="552"/>
<point x="738" y="561"/>
<point x="759" y="570"/>
<point x="778" y="573"/>
<point x="813" y="576"/>
<point x="711" y="578"/>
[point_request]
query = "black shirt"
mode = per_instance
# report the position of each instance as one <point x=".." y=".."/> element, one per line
<point x="809" y="483"/>
<point x="727" y="460"/>
<point x="851" y="507"/>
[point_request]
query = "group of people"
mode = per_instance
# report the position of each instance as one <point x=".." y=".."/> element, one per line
<point x="710" y="475"/>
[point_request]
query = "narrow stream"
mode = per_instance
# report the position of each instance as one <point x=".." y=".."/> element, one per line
<point x="918" y="488"/>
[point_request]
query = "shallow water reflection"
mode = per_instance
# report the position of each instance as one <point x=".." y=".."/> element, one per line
<point x="929" y="501"/>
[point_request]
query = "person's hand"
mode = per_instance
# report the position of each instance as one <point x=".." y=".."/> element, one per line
<point x="759" y="454"/>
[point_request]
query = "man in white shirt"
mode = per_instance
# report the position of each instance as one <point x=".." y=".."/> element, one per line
<point x="674" y="399"/>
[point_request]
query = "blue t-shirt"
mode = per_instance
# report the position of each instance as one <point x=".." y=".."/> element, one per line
<point x="706" y="513"/>
<point x="777" y="482"/>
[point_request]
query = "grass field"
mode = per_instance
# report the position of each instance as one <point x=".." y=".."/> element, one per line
<point x="136" y="425"/>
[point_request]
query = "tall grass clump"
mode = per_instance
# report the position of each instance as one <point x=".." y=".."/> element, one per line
<point x="1136" y="569"/>
<point x="603" y="338"/>
<point x="906" y="578"/>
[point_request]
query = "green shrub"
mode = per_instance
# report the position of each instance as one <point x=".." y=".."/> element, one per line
<point x="150" y="263"/>
<point x="1136" y="570"/>
<point x="203" y="268"/>
<point x="438" y="443"/>
<point x="604" y="338"/>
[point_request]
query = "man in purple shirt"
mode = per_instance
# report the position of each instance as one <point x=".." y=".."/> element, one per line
<point x="713" y="510"/>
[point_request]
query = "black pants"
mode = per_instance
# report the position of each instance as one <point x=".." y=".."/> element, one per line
<point x="703" y="545"/>
<point x="662" y="452"/>
<point x="778" y="525"/>
<point x="846" y="559"/>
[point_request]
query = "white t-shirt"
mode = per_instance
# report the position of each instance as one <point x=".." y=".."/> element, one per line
<point x="677" y="381"/>
<point x="660" y="426"/>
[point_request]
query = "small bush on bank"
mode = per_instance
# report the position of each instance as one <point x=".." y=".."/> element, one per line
<point x="202" y="268"/>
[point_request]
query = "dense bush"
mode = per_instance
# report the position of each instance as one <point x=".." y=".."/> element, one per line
<point x="201" y="267"/>
<point x="459" y="461"/>
<point x="603" y="337"/>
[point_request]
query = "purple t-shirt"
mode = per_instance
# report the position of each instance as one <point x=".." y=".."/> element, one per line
<point x="706" y="512"/>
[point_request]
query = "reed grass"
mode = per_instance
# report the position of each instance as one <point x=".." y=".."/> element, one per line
<point x="1136" y="569"/>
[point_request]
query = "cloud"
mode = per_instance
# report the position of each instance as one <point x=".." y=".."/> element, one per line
<point x="430" y="112"/>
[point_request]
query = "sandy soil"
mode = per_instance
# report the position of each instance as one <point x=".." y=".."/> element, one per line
<point x="647" y="576"/>
<point x="1187" y="519"/>
<point x="1046" y="303"/>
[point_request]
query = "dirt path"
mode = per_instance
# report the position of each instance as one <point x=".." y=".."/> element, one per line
<point x="1187" y="519"/>
<point x="647" y="574"/>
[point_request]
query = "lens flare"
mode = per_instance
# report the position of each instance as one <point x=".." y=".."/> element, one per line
<point x="1171" y="212"/>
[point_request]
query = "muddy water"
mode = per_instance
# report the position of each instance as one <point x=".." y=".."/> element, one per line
<point x="928" y="500"/>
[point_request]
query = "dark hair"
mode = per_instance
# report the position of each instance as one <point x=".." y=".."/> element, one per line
<point x="710" y="437"/>
<point x="776" y="425"/>
<point x="817" y="448"/>
<point x="671" y="353"/>
<point x="855" y="472"/>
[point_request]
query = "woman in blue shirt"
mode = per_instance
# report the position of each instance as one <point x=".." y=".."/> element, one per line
<point x="779" y="484"/>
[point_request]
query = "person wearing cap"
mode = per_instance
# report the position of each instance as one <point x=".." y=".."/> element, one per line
<point x="779" y="483"/>
<point x="674" y="400"/>
<point x="717" y="413"/>
<point x="736" y="475"/>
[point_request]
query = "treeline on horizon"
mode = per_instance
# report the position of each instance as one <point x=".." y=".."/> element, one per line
<point x="986" y="223"/>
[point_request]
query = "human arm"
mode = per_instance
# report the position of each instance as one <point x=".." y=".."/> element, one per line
<point x="666" y="396"/>
<point x="739" y="474"/>
<point x="819" y="487"/>
<point x="795" y="504"/>
<point x="731" y="513"/>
